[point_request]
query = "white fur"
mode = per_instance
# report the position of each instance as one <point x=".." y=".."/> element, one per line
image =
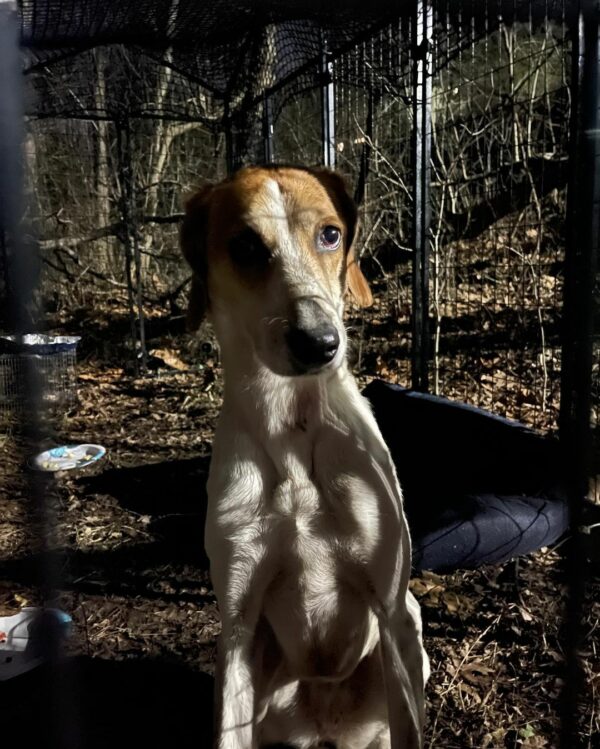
<point x="310" y="556"/>
<point x="298" y="518"/>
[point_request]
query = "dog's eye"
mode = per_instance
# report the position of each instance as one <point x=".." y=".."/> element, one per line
<point x="329" y="239"/>
<point x="248" y="251"/>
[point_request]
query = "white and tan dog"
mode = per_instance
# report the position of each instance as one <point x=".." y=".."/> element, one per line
<point x="307" y="539"/>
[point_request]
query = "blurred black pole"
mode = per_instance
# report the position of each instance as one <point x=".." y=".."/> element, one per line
<point x="327" y="106"/>
<point x="21" y="271"/>
<point x="422" y="29"/>
<point x="19" y="257"/>
<point x="583" y="224"/>
<point x="268" y="153"/>
<point x="230" y="149"/>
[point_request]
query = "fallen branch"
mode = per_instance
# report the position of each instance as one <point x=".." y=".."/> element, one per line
<point x="172" y="219"/>
<point x="103" y="232"/>
<point x="66" y="243"/>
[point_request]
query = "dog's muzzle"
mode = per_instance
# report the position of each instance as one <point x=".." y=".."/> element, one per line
<point x="312" y="349"/>
<point x="313" y="341"/>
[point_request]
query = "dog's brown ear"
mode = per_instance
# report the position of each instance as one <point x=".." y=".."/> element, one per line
<point x="193" y="238"/>
<point x="355" y="280"/>
<point x="357" y="283"/>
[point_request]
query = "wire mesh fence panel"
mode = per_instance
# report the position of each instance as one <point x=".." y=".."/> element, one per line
<point x="499" y="107"/>
<point x="499" y="158"/>
<point x="131" y="106"/>
<point x="53" y="375"/>
<point x="499" y="110"/>
<point x="297" y="137"/>
<point x="373" y="139"/>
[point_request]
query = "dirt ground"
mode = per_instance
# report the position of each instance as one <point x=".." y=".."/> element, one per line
<point x="125" y="556"/>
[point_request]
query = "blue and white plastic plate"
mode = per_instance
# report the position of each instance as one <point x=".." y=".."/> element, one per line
<point x="68" y="457"/>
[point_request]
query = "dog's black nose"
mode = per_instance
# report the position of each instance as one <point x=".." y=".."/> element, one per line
<point x="313" y="348"/>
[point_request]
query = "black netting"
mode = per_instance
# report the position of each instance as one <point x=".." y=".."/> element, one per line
<point x="193" y="96"/>
<point x="227" y="47"/>
<point x="216" y="44"/>
<point x="118" y="82"/>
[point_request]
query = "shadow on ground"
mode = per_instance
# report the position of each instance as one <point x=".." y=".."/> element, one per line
<point x="155" y="489"/>
<point x="172" y="496"/>
<point x="94" y="703"/>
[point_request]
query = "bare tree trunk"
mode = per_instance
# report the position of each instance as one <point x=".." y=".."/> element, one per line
<point x="102" y="172"/>
<point x="509" y="43"/>
<point x="31" y="170"/>
<point x="164" y="135"/>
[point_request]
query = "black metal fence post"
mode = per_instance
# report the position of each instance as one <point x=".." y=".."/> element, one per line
<point x="328" y="107"/>
<point x="268" y="130"/>
<point x="19" y="262"/>
<point x="422" y="23"/>
<point x="58" y="697"/>
<point x="583" y="227"/>
<point x="230" y="155"/>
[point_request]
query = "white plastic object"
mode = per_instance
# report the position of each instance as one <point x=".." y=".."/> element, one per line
<point x="21" y="639"/>
<point x="67" y="457"/>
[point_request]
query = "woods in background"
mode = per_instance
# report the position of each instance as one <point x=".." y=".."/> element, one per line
<point x="107" y="178"/>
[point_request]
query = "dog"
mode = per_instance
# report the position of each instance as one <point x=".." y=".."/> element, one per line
<point x="308" y="544"/>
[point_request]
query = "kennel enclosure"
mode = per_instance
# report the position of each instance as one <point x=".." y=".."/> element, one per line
<point x="467" y="130"/>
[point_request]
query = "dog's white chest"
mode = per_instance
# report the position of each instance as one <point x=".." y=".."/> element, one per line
<point x="321" y="519"/>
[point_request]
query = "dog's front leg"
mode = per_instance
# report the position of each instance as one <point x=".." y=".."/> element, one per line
<point x="235" y="689"/>
<point x="235" y="696"/>
<point x="404" y="661"/>
<point x="404" y="697"/>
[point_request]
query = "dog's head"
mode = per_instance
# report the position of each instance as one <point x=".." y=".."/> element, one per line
<point x="271" y="251"/>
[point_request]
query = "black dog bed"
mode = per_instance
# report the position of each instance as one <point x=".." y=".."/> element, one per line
<point x="478" y="488"/>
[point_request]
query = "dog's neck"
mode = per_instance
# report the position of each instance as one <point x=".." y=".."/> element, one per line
<point x="275" y="405"/>
<point x="289" y="415"/>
